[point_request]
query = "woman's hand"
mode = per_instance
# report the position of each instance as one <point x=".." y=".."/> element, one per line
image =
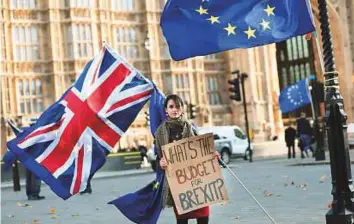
<point x="163" y="163"/>
<point x="216" y="155"/>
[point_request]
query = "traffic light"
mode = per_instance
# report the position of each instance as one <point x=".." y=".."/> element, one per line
<point x="235" y="89"/>
<point x="192" y="111"/>
<point x="147" y="117"/>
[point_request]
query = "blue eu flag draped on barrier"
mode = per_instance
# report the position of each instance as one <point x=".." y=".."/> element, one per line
<point x="144" y="206"/>
<point x="202" y="27"/>
<point x="295" y="96"/>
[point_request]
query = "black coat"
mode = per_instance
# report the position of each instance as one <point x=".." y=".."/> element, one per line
<point x="303" y="127"/>
<point x="290" y="135"/>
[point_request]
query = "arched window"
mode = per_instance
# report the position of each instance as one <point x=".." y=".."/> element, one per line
<point x="30" y="98"/>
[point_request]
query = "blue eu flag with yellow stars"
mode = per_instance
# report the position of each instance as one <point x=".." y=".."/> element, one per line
<point x="202" y="27"/>
<point x="295" y="96"/>
<point x="144" y="206"/>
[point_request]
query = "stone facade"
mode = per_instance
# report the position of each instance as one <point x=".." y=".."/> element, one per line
<point x="45" y="44"/>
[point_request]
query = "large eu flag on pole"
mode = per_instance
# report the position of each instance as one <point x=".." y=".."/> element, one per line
<point x="202" y="27"/>
<point x="295" y="96"/>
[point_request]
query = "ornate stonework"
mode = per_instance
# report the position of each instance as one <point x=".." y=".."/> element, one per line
<point x="45" y="44"/>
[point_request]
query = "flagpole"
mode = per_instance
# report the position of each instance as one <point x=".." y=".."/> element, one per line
<point x="249" y="193"/>
<point x="319" y="132"/>
<point x="342" y="185"/>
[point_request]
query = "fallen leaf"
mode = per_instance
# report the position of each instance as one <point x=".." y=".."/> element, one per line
<point x="52" y="211"/>
<point x="323" y="178"/>
<point x="237" y="217"/>
<point x="11" y="216"/>
<point x="35" y="220"/>
<point x="285" y="185"/>
<point x="19" y="204"/>
<point x="53" y="217"/>
<point x="292" y="183"/>
<point x="267" y="194"/>
<point x="74" y="215"/>
<point x="302" y="186"/>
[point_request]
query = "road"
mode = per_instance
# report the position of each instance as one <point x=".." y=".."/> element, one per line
<point x="291" y="194"/>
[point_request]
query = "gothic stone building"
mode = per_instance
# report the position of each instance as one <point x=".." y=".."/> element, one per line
<point x="45" y="44"/>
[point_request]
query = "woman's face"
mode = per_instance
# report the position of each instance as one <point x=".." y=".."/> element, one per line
<point x="173" y="111"/>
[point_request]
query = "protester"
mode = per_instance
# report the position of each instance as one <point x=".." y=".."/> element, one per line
<point x="88" y="189"/>
<point x="175" y="128"/>
<point x="33" y="183"/>
<point x="304" y="132"/>
<point x="33" y="186"/>
<point x="143" y="150"/>
<point x="290" y="135"/>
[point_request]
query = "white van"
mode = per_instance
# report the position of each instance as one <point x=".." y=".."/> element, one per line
<point x="230" y="141"/>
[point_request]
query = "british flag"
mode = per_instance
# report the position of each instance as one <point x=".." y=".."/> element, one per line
<point x="71" y="139"/>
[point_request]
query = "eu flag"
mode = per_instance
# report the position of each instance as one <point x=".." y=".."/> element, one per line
<point x="295" y="96"/>
<point x="144" y="206"/>
<point x="202" y="27"/>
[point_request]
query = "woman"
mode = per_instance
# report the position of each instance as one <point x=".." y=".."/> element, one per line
<point x="175" y="128"/>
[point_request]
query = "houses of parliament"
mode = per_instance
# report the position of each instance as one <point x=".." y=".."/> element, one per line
<point x="44" y="45"/>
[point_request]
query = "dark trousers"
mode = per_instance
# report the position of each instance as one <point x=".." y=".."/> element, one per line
<point x="88" y="186"/>
<point x="33" y="184"/>
<point x="291" y="146"/>
<point x="204" y="220"/>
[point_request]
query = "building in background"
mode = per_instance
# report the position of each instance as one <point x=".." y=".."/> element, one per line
<point x="45" y="44"/>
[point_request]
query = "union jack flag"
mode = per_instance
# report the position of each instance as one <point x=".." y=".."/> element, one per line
<point x="71" y="139"/>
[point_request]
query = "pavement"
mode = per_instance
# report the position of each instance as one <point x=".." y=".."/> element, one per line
<point x="290" y="194"/>
<point x="289" y="189"/>
<point x="267" y="150"/>
<point x="98" y="175"/>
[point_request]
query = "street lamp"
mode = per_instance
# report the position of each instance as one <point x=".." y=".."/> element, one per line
<point x="342" y="185"/>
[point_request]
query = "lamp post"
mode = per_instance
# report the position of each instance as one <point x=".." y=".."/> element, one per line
<point x="342" y="185"/>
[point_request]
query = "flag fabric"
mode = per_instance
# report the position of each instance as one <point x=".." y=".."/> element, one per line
<point x="70" y="140"/>
<point x="295" y="96"/>
<point x="9" y="157"/>
<point x="156" y="109"/>
<point x="144" y="206"/>
<point x="202" y="27"/>
<point x="16" y="130"/>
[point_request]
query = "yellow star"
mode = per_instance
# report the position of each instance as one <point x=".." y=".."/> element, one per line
<point x="202" y="11"/>
<point x="214" y="19"/>
<point x="156" y="185"/>
<point x="230" y="29"/>
<point x="265" y="24"/>
<point x="250" y="33"/>
<point x="269" y="10"/>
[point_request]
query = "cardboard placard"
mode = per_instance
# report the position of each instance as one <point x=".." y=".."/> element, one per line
<point x="193" y="173"/>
